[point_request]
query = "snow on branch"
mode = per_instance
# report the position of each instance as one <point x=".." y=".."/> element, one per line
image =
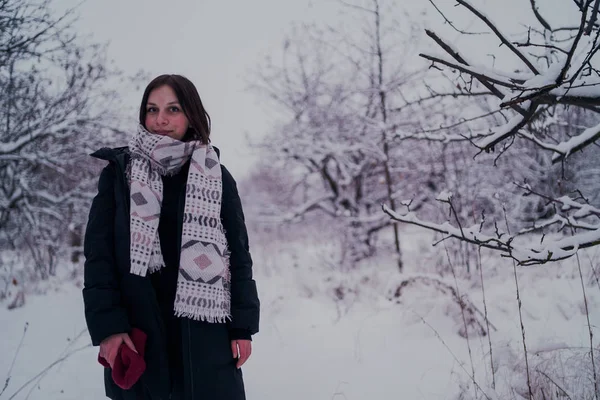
<point x="502" y="132"/>
<point x="322" y="202"/>
<point x="503" y="38"/>
<point x="571" y="214"/>
<point x="558" y="69"/>
<point x="460" y="58"/>
<point x="578" y="142"/>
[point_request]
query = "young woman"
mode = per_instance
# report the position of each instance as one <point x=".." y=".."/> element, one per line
<point x="167" y="254"/>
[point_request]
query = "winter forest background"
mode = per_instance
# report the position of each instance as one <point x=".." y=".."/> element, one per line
<point x="423" y="195"/>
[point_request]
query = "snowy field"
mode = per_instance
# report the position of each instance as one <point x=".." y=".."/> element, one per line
<point x="359" y="342"/>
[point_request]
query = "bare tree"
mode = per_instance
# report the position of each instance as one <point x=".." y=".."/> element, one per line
<point x="558" y="78"/>
<point x="55" y="107"/>
<point x="345" y="94"/>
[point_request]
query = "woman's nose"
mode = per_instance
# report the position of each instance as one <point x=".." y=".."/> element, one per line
<point x="161" y="118"/>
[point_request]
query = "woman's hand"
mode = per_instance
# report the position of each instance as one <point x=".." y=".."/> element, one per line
<point x="109" y="347"/>
<point x="241" y="350"/>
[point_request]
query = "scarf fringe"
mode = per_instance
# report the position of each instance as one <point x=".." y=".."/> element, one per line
<point x="153" y="268"/>
<point x="192" y="312"/>
<point x="138" y="270"/>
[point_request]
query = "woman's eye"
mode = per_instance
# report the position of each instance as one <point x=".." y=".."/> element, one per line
<point x="151" y="110"/>
<point x="174" y="109"/>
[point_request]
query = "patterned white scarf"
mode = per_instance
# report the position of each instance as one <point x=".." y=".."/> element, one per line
<point x="203" y="283"/>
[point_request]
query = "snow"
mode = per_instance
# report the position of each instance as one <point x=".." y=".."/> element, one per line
<point x="585" y="45"/>
<point x="567" y="147"/>
<point x="564" y="247"/>
<point x="369" y="344"/>
<point x="501" y="131"/>
<point x="445" y="195"/>
<point x="588" y="87"/>
<point x="544" y="79"/>
<point x="585" y="211"/>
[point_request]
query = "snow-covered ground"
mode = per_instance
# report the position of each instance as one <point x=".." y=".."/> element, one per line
<point x="359" y="343"/>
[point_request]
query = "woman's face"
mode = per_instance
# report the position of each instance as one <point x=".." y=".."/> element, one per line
<point x="164" y="115"/>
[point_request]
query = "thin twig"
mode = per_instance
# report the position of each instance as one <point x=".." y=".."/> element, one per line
<point x="522" y="330"/>
<point x="587" y="315"/>
<point x="487" y="321"/>
<point x="462" y="312"/>
<point x="451" y="24"/>
<point x="520" y="315"/>
<point x="594" y="272"/>
<point x="544" y="46"/>
<point x="72" y="342"/>
<point x="453" y="210"/>
<point x="555" y="384"/>
<point x="436" y="333"/>
<point x="52" y="365"/>
<point x="15" y="358"/>
<point x="360" y="8"/>
<point x="471" y="71"/>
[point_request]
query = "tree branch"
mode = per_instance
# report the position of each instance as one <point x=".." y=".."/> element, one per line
<point x="471" y="71"/>
<point x="593" y="18"/>
<point x="539" y="17"/>
<point x="500" y="36"/>
<point x="567" y="64"/>
<point x="502" y="132"/>
<point x="450" y="22"/>
<point x="448" y="49"/>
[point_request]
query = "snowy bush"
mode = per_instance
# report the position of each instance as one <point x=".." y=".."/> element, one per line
<point x="55" y="109"/>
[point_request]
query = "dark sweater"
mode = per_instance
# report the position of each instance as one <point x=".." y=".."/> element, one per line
<point x="165" y="280"/>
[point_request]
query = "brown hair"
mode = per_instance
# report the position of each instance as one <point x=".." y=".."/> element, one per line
<point x="190" y="102"/>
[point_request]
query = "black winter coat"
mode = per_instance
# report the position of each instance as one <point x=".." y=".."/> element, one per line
<point x="116" y="300"/>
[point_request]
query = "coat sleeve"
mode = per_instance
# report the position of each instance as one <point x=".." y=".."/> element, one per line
<point x="104" y="312"/>
<point x="245" y="305"/>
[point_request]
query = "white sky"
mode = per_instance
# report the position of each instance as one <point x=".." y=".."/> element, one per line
<point x="215" y="43"/>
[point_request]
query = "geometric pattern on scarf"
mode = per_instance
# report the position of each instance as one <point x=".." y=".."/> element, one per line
<point x="203" y="282"/>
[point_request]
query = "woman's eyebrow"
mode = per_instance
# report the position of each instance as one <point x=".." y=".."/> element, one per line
<point x="153" y="104"/>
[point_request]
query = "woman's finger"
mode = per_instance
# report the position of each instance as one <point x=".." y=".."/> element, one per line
<point x="234" y="349"/>
<point x="112" y="355"/>
<point x="128" y="342"/>
<point x="245" y="347"/>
